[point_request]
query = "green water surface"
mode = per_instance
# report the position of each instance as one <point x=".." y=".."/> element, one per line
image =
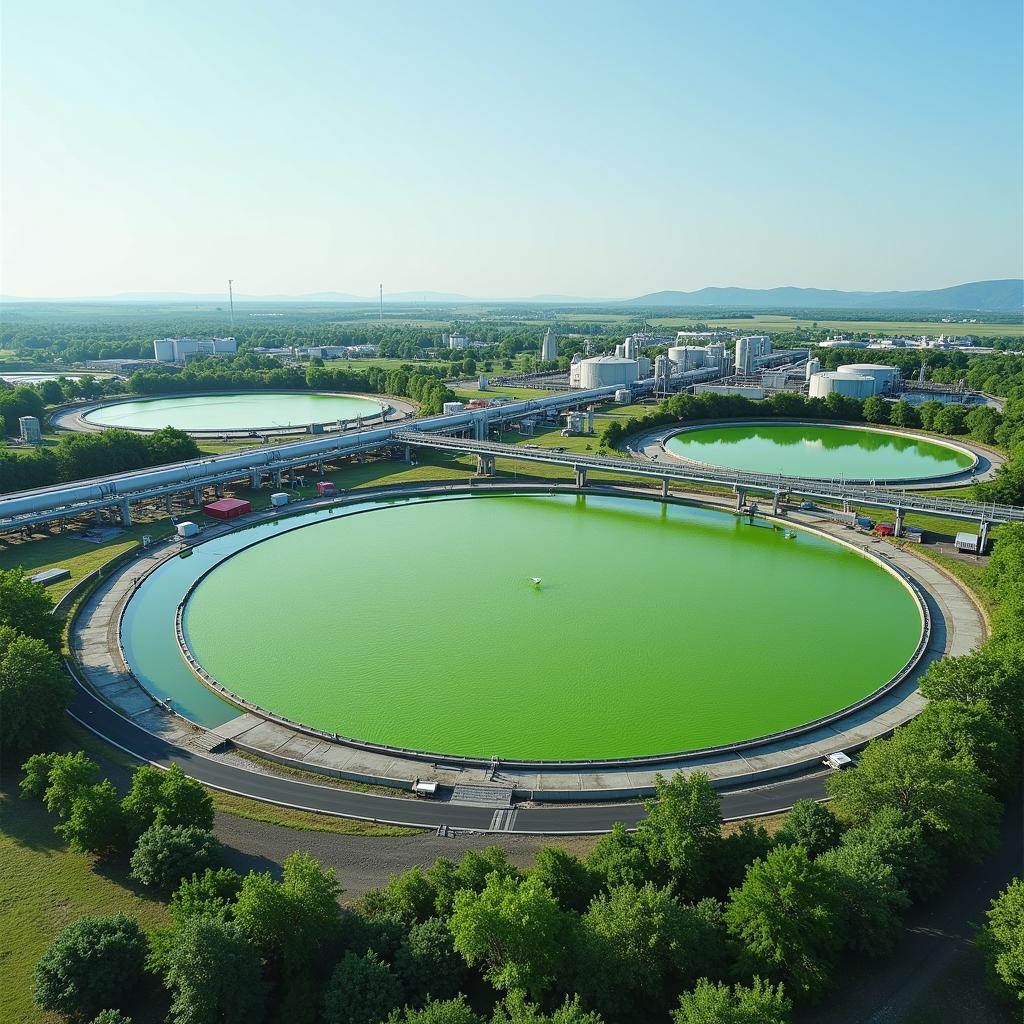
<point x="818" y="452"/>
<point x="656" y="628"/>
<point x="243" y="411"/>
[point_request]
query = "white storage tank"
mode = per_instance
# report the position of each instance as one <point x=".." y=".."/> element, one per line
<point x="187" y="529"/>
<point x="687" y="357"/>
<point x="606" y="371"/>
<point x="453" y="408"/>
<point x="852" y="385"/>
<point x="279" y="498"/>
<point x="885" y="377"/>
<point x="813" y="366"/>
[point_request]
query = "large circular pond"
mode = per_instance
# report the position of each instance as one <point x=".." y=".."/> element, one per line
<point x="655" y="628"/>
<point x="819" y="452"/>
<point x="262" y="410"/>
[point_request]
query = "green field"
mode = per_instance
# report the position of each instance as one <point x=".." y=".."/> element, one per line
<point x="43" y="887"/>
<point x="775" y="322"/>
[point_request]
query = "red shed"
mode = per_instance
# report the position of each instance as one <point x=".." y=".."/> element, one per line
<point x="227" y="508"/>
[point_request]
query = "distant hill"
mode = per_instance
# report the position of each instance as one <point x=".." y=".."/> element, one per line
<point x="987" y="296"/>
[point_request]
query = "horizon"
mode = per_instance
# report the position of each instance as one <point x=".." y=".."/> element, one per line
<point x="483" y="152"/>
<point x="428" y="297"/>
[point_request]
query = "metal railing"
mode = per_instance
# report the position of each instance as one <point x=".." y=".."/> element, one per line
<point x="874" y="497"/>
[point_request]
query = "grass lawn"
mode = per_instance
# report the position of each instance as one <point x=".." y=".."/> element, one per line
<point x="43" y="887"/>
<point x="43" y="551"/>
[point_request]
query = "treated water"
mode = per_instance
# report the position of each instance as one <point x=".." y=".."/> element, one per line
<point x="655" y="628"/>
<point x="818" y="452"/>
<point x="245" y="411"/>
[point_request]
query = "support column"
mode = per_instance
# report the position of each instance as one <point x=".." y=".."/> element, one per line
<point x="983" y="538"/>
<point x="775" y="502"/>
<point x="581" y="476"/>
<point x="218" y="489"/>
<point x="167" y="503"/>
<point x="126" y="513"/>
<point x="899" y="523"/>
<point x="320" y="468"/>
<point x="664" y="487"/>
<point x="408" y="454"/>
<point x="277" y="478"/>
<point x="741" y="497"/>
<point x="485" y="465"/>
<point x="99" y="517"/>
<point x="255" y="479"/>
<point x="197" y="495"/>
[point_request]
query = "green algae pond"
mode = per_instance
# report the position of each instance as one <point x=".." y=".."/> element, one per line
<point x="247" y="410"/>
<point x="655" y="628"/>
<point x="819" y="452"/>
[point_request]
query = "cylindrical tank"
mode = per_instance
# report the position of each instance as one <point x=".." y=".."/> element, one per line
<point x="687" y="357"/>
<point x="852" y="385"/>
<point x="813" y="366"/>
<point x="884" y="376"/>
<point x="606" y="371"/>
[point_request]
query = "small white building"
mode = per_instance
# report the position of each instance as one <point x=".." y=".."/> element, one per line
<point x="29" y="429"/>
<point x="179" y="350"/>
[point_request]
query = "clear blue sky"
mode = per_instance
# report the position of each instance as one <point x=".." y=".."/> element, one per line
<point x="586" y="148"/>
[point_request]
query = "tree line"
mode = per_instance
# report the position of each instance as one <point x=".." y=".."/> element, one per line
<point x="77" y="456"/>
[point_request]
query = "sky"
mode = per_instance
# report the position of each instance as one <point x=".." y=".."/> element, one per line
<point x="579" y="148"/>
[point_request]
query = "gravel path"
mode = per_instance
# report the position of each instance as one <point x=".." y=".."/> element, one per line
<point x="365" y="862"/>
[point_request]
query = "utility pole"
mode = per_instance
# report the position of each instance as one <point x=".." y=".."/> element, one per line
<point x="231" y="300"/>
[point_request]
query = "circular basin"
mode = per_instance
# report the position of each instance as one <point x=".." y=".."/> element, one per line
<point x="819" y="451"/>
<point x="654" y="628"/>
<point x="247" y="410"/>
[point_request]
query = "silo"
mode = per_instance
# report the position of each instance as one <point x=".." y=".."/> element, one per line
<point x="605" y="371"/>
<point x="851" y="385"/>
<point x="885" y="377"/>
<point x="813" y="366"/>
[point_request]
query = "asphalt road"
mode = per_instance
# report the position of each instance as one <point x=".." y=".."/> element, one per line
<point x="547" y="820"/>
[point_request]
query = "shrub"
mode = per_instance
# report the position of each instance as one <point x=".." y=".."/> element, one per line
<point x="93" y="964"/>
<point x="166" y="854"/>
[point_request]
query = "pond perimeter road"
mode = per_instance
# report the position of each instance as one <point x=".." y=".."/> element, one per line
<point x="105" y="722"/>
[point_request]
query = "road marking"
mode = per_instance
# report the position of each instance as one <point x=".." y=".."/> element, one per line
<point x="503" y="820"/>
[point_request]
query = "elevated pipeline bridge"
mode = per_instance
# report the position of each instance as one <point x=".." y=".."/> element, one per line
<point x="117" y="492"/>
<point x="899" y="502"/>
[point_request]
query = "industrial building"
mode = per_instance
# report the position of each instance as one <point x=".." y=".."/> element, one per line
<point x="180" y="350"/>
<point x="749" y="350"/>
<point x="851" y="385"/>
<point x="686" y="337"/>
<point x="606" y="371"/>
<point x="886" y="378"/>
<point x="549" y="347"/>
<point x="692" y="357"/>
<point x="855" y="380"/>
